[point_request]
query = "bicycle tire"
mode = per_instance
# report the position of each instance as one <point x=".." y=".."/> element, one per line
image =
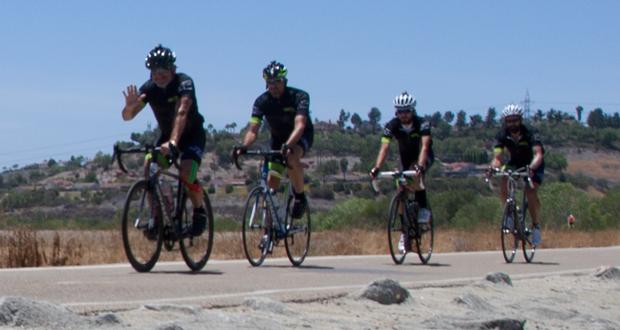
<point x="395" y="229"/>
<point x="529" y="249"/>
<point x="509" y="240"/>
<point x="297" y="241"/>
<point x="424" y="240"/>
<point x="197" y="249"/>
<point x="142" y="245"/>
<point x="255" y="227"/>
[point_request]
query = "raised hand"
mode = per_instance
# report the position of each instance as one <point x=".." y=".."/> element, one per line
<point x="133" y="99"/>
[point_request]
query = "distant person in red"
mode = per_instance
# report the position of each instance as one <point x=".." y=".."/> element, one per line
<point x="570" y="220"/>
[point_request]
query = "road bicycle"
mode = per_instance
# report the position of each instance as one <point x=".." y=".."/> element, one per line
<point x="158" y="214"/>
<point x="403" y="219"/>
<point x="515" y="232"/>
<point x="267" y="219"/>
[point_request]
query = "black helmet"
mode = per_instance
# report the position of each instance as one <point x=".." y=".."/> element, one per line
<point x="160" y="57"/>
<point x="275" y="71"/>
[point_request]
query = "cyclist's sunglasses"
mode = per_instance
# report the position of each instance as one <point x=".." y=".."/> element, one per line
<point x="513" y="120"/>
<point x="403" y="110"/>
<point x="272" y="81"/>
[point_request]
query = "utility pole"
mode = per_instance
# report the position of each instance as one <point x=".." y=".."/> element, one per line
<point x="526" y="104"/>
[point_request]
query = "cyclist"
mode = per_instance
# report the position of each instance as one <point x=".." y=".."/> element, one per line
<point x="172" y="98"/>
<point x="287" y="110"/>
<point x="415" y="147"/>
<point x="524" y="148"/>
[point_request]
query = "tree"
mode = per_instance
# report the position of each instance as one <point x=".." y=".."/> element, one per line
<point x="435" y="119"/>
<point x="579" y="111"/>
<point x="596" y="118"/>
<point x="344" y="166"/>
<point x="374" y="117"/>
<point x="490" y="120"/>
<point x="448" y="116"/>
<point x="475" y="121"/>
<point x="356" y="120"/>
<point x="343" y="117"/>
<point x="461" y="119"/>
<point x="539" y="116"/>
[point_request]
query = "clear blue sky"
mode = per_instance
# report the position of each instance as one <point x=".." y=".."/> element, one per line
<point x="65" y="63"/>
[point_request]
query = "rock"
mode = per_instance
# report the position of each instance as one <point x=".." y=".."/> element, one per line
<point x="26" y="313"/>
<point x="608" y="273"/>
<point x="265" y="304"/>
<point x="500" y="324"/>
<point x="386" y="292"/>
<point x="499" y="277"/>
<point x="170" y="326"/>
<point x="107" y="319"/>
<point x="474" y="302"/>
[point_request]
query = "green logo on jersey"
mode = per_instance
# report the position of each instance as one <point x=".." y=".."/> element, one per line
<point x="173" y="99"/>
<point x="289" y="109"/>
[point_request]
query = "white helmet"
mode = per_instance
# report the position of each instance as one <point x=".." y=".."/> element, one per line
<point x="512" y="110"/>
<point x="404" y="100"/>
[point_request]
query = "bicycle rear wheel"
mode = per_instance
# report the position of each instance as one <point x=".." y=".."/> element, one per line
<point x="510" y="242"/>
<point x="197" y="249"/>
<point x="395" y="229"/>
<point x="425" y="237"/>
<point x="297" y="241"/>
<point x="529" y="249"/>
<point x="142" y="227"/>
<point x="256" y="235"/>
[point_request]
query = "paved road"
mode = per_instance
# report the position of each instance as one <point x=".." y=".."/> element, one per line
<point x="113" y="287"/>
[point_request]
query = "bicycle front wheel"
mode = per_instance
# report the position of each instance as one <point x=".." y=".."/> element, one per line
<point x="297" y="240"/>
<point x="425" y="237"/>
<point x="395" y="229"/>
<point x="510" y="243"/>
<point x="529" y="249"/>
<point x="256" y="235"/>
<point x="197" y="249"/>
<point x="142" y="227"/>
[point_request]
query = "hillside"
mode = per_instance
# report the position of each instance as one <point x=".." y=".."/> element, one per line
<point x="88" y="193"/>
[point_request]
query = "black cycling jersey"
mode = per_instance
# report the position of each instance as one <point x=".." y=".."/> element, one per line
<point x="281" y="112"/>
<point x="521" y="153"/>
<point x="163" y="101"/>
<point x="409" y="139"/>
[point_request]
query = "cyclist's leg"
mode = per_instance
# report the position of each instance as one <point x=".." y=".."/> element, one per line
<point x="503" y="190"/>
<point x="532" y="195"/>
<point x="296" y="173"/>
<point x="275" y="166"/>
<point x="191" y="157"/>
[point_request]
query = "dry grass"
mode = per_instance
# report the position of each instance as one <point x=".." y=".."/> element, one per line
<point x="27" y="248"/>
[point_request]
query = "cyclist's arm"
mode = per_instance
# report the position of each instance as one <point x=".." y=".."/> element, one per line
<point x="180" y="119"/>
<point x="298" y="130"/>
<point x="426" y="147"/>
<point x="252" y="133"/>
<point x="538" y="157"/>
<point x="383" y="151"/>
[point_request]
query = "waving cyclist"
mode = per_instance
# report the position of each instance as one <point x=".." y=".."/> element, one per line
<point x="524" y="148"/>
<point x="413" y="134"/>
<point x="172" y="98"/>
<point x="287" y="110"/>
